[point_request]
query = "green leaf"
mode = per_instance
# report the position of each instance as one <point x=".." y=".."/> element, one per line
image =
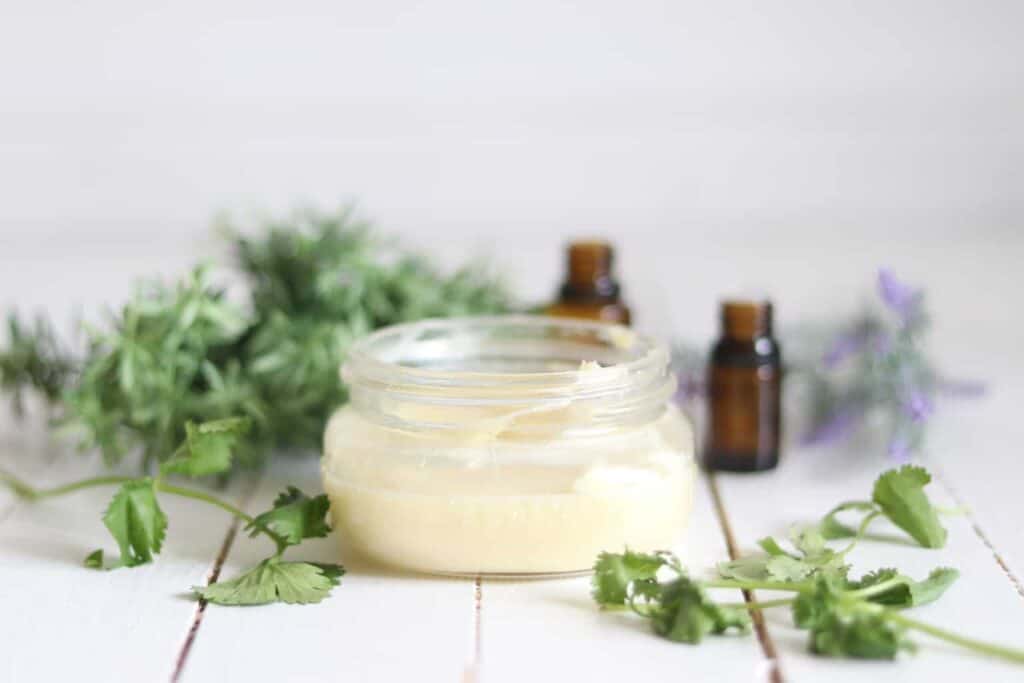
<point x="275" y="581"/>
<point x="809" y="541"/>
<point x="860" y="635"/>
<point x="932" y="588"/>
<point x="613" y="574"/>
<point x="831" y="528"/>
<point x="94" y="560"/>
<point x="786" y="568"/>
<point x="780" y="565"/>
<point x="771" y="546"/>
<point x="208" y="447"/>
<point x="908" y="593"/>
<point x="840" y="627"/>
<point x="684" y="613"/>
<point x="136" y="522"/>
<point x="749" y="568"/>
<point x="294" y="517"/>
<point x="900" y="494"/>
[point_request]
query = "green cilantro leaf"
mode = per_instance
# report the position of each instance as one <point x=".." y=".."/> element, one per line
<point x="932" y="588"/>
<point x="684" y="613"/>
<point x="809" y="541"/>
<point x="780" y="565"/>
<point x="275" y="581"/>
<point x="771" y="546"/>
<point x="863" y="635"/>
<point x="786" y="568"/>
<point x="749" y="568"/>
<point x="295" y="516"/>
<point x="207" y="448"/>
<point x="94" y="560"/>
<point x="900" y="494"/>
<point x="136" y="522"/>
<point x="907" y="593"/>
<point x="613" y="574"/>
<point x="831" y="528"/>
<point x="846" y="628"/>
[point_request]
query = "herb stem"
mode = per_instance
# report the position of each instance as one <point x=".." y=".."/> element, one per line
<point x="24" y="490"/>
<point x="1008" y="653"/>
<point x="206" y="498"/>
<point x="28" y="492"/>
<point x="877" y="589"/>
<point x="861" y="530"/>
<point x="760" y="585"/>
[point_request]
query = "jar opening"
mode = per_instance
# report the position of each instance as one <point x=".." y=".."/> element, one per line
<point x="531" y="373"/>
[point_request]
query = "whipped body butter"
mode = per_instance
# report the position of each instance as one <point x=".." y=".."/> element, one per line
<point x="511" y="445"/>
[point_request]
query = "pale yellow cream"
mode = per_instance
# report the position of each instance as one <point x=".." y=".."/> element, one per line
<point x="502" y="505"/>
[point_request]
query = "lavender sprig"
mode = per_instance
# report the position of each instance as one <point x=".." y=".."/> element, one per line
<point x="871" y="370"/>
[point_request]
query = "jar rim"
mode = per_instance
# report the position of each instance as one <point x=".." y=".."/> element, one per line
<point x="475" y="361"/>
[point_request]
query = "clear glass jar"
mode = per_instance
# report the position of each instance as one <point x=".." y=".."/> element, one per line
<point x="513" y="445"/>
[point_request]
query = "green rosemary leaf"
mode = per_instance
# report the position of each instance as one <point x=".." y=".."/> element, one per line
<point x="34" y="359"/>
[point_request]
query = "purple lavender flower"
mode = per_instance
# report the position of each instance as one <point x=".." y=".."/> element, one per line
<point x="899" y="449"/>
<point x="918" y="406"/>
<point x="690" y="386"/>
<point x="844" y="346"/>
<point x="882" y="344"/>
<point x="835" y="427"/>
<point x="898" y="296"/>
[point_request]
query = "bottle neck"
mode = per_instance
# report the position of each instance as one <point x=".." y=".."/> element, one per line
<point x="746" y="321"/>
<point x="589" y="273"/>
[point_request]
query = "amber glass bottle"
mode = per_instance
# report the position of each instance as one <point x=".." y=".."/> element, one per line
<point x="745" y="391"/>
<point x="590" y="290"/>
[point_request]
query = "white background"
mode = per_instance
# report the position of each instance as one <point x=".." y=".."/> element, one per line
<point x="687" y="131"/>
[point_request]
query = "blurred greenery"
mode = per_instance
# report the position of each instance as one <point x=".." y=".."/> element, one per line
<point x="174" y="353"/>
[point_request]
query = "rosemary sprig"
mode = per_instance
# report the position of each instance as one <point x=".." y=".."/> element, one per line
<point x="184" y="352"/>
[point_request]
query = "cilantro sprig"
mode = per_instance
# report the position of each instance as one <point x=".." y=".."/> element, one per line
<point x="844" y="617"/>
<point x="138" y="524"/>
<point x="898" y="495"/>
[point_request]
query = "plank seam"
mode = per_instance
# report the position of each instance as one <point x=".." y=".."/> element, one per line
<point x="760" y="628"/>
<point x="212" y="576"/>
<point x="979" y="532"/>
<point x="471" y="674"/>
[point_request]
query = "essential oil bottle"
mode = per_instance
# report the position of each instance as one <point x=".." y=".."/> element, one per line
<point x="590" y="290"/>
<point x="744" y="391"/>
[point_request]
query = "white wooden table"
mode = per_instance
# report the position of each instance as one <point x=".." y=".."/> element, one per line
<point x="59" y="620"/>
<point x="141" y="624"/>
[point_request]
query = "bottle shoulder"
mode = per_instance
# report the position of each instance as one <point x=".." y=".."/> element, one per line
<point x="760" y="351"/>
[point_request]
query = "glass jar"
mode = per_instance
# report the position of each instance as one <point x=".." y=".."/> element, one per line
<point x="512" y="445"/>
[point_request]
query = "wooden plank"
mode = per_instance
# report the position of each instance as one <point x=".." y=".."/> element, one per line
<point x="551" y="629"/>
<point x="65" y="620"/>
<point x="378" y="625"/>
<point x="973" y="443"/>
<point x="982" y="604"/>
